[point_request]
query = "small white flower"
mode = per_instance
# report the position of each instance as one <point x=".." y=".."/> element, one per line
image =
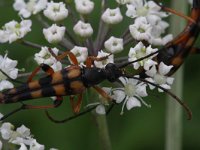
<point x="112" y="16"/>
<point x="36" y="146"/>
<point x="26" y="8"/>
<point x="56" y="11"/>
<point x="141" y="29"/>
<point x="100" y="109"/>
<point x="81" y="53"/>
<point x="131" y="94"/>
<point x="140" y="51"/>
<point x="83" y="29"/>
<point x="13" y="30"/>
<point x="44" y="56"/>
<point x="159" y="76"/>
<point x="103" y="63"/>
<point x="54" y="34"/>
<point x="114" y="45"/>
<point x="6" y="130"/>
<point x="84" y="6"/>
<point x="8" y="65"/>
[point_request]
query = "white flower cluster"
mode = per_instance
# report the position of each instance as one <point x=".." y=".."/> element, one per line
<point x="147" y="29"/>
<point x="13" y="30"/>
<point x="148" y="24"/>
<point x="44" y="56"/>
<point x="21" y="137"/>
<point x="7" y="66"/>
<point x="27" y="8"/>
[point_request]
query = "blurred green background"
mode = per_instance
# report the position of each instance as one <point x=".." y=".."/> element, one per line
<point x="138" y="129"/>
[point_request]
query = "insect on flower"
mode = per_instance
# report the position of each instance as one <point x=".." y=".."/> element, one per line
<point x="75" y="79"/>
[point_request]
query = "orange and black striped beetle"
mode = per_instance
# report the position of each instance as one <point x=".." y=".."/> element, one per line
<point x="74" y="80"/>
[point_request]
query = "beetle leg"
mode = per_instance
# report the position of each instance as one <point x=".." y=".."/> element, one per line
<point x="57" y="103"/>
<point x="71" y="56"/>
<point x="54" y="105"/>
<point x="46" y="68"/>
<point x="102" y="93"/>
<point x="76" y="107"/>
<point x="91" y="59"/>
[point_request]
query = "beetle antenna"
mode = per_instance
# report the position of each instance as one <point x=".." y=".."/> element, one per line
<point x="186" y="108"/>
<point x="122" y="65"/>
<point x="68" y="118"/>
<point x="13" y="112"/>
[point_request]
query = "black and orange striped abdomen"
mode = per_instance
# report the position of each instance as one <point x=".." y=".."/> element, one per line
<point x="65" y="82"/>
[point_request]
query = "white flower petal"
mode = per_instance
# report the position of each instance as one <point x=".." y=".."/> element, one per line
<point x="5" y="85"/>
<point x="118" y="96"/>
<point x="100" y="109"/>
<point x="149" y="63"/>
<point x="170" y="80"/>
<point x="141" y="90"/>
<point x="133" y="102"/>
<point x="151" y="72"/>
<point x="164" y="69"/>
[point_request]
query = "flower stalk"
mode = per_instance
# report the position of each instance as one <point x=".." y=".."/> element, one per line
<point x="174" y="111"/>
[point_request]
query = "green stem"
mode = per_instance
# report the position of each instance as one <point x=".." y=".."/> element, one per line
<point x="174" y="110"/>
<point x="102" y="126"/>
<point x="103" y="132"/>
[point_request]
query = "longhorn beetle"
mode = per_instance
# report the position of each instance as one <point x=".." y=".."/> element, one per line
<point x="74" y="80"/>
